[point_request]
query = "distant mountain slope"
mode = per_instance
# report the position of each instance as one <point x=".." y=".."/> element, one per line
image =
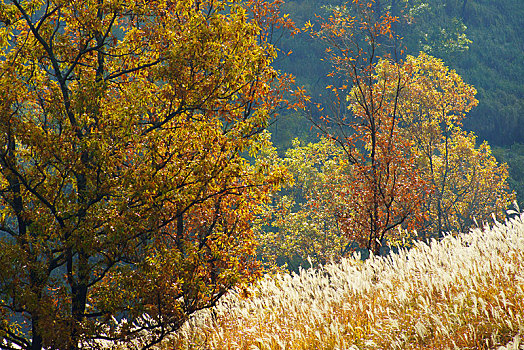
<point x="494" y="63"/>
<point x="495" y="66"/>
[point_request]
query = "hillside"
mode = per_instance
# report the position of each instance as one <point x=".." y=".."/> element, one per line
<point x="461" y="292"/>
<point x="493" y="61"/>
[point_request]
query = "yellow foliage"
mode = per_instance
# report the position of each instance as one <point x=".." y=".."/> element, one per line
<point x="124" y="191"/>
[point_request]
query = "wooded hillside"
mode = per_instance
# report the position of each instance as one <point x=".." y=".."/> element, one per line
<point x="481" y="39"/>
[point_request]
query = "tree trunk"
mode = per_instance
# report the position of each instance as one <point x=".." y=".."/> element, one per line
<point x="36" y="342"/>
<point x="79" y="300"/>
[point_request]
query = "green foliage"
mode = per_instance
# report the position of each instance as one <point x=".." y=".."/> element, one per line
<point x="434" y="27"/>
<point x="304" y="222"/>
<point x="514" y="157"/>
<point x="494" y="65"/>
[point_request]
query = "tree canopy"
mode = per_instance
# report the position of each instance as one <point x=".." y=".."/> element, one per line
<point x="403" y="162"/>
<point x="480" y="39"/>
<point x="125" y="193"/>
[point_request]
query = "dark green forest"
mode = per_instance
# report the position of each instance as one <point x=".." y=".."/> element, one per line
<point x="481" y="39"/>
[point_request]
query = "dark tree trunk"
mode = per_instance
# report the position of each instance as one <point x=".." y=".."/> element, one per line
<point x="36" y="342"/>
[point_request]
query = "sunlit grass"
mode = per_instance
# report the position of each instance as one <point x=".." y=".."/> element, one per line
<point x="464" y="292"/>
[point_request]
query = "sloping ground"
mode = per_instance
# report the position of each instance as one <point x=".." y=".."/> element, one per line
<point x="464" y="292"/>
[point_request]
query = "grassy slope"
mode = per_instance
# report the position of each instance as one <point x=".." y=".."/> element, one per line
<point x="463" y="292"/>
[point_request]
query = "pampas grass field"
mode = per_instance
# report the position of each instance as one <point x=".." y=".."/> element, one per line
<point x="462" y="292"/>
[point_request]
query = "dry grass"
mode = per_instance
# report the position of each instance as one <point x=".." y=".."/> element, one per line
<point x="464" y="292"/>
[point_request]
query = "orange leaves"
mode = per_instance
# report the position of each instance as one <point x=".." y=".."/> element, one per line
<point x="433" y="102"/>
<point x="386" y="190"/>
<point x="267" y="15"/>
<point x="308" y="26"/>
<point x="300" y="98"/>
<point x="122" y="157"/>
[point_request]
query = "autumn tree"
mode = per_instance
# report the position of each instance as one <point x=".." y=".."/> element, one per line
<point x="468" y="185"/>
<point x="398" y="122"/>
<point x="387" y="189"/>
<point x="305" y="217"/>
<point x="125" y="200"/>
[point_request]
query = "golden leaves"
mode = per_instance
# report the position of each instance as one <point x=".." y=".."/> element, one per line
<point x="435" y="99"/>
<point x="404" y="119"/>
<point x="124" y="133"/>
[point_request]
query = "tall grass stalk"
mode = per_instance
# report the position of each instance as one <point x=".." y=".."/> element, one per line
<point x="462" y="292"/>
